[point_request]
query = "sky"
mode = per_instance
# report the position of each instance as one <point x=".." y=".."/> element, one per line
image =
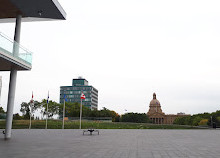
<point x="127" y="49"/>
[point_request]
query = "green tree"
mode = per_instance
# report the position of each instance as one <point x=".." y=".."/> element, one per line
<point x="17" y="116"/>
<point x="25" y="108"/>
<point x="53" y="107"/>
<point x="2" y="110"/>
<point x="135" y="117"/>
<point x="215" y="118"/>
<point x="73" y="110"/>
<point x="179" y="120"/>
<point x="106" y="113"/>
<point x="196" y="121"/>
<point x="2" y="113"/>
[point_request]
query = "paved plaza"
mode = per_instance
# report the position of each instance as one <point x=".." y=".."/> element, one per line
<point x="111" y="143"/>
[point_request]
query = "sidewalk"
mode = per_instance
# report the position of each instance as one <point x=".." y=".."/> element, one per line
<point x="124" y="143"/>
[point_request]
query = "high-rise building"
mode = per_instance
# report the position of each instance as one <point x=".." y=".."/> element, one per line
<point x="73" y="93"/>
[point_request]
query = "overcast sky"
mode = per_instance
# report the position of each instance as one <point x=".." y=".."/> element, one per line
<point x="127" y="49"/>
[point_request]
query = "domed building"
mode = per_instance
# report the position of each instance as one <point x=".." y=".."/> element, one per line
<point x="157" y="116"/>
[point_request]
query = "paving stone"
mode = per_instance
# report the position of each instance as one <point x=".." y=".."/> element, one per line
<point x="117" y="143"/>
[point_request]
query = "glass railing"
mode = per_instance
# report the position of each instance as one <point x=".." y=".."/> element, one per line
<point x="14" y="49"/>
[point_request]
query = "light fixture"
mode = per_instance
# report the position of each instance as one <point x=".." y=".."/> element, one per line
<point x="40" y="12"/>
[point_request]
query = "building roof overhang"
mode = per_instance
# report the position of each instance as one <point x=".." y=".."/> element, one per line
<point x="31" y="10"/>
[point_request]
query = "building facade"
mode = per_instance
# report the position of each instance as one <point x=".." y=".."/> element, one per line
<point x="73" y="93"/>
<point x="157" y="116"/>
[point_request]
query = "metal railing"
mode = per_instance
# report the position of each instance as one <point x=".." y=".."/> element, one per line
<point x="14" y="49"/>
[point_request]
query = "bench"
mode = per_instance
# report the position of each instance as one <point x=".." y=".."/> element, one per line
<point x="91" y="130"/>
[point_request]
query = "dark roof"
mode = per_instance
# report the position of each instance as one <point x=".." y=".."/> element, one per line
<point x="31" y="10"/>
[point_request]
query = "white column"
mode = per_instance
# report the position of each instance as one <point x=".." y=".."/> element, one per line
<point x="12" y="82"/>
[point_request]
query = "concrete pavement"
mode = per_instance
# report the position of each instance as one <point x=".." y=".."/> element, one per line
<point x="111" y="143"/>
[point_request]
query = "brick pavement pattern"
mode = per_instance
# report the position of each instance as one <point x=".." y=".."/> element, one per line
<point x="111" y="143"/>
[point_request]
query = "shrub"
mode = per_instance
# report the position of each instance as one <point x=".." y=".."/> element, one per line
<point x="203" y="122"/>
<point x="196" y="121"/>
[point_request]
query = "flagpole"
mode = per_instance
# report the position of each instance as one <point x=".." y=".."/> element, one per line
<point x="80" y="115"/>
<point x="46" y="116"/>
<point x="47" y="110"/>
<point x="30" y="112"/>
<point x="63" y="113"/>
<point x="30" y="116"/>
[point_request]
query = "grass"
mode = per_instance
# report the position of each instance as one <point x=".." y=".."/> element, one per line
<point x="57" y="124"/>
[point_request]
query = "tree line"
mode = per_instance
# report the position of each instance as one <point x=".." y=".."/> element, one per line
<point x="203" y="119"/>
<point x="73" y="110"/>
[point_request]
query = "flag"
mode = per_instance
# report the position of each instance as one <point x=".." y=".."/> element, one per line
<point x="65" y="97"/>
<point x="83" y="96"/>
<point x="48" y="98"/>
<point x="31" y="103"/>
<point x="32" y="99"/>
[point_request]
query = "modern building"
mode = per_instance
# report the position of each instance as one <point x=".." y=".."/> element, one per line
<point x="13" y="56"/>
<point x="157" y="116"/>
<point x="74" y="92"/>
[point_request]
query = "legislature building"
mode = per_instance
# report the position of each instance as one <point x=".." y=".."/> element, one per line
<point x="157" y="116"/>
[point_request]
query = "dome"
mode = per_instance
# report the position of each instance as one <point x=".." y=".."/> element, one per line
<point x="155" y="107"/>
<point x="154" y="101"/>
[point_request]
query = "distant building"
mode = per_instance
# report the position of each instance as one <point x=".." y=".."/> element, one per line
<point x="73" y="93"/>
<point x="156" y="115"/>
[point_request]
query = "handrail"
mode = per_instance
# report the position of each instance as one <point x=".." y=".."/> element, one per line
<point x="7" y="45"/>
